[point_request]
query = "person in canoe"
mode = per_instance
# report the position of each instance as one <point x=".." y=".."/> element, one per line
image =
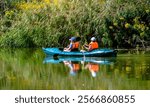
<point x="73" y="46"/>
<point x="92" y="45"/>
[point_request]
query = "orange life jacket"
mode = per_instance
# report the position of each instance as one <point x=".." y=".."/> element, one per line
<point x="94" y="67"/>
<point x="76" y="67"/>
<point x="93" y="45"/>
<point x="75" y="45"/>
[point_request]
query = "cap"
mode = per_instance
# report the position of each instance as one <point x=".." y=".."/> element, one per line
<point x="72" y="39"/>
<point x="93" y="39"/>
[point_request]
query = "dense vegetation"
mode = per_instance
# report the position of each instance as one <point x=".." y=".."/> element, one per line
<point x="40" y="23"/>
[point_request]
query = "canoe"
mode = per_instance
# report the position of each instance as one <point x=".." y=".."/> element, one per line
<point x="95" y="53"/>
<point x="105" y="61"/>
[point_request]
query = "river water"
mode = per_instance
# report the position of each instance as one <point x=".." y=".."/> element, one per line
<point x="30" y="69"/>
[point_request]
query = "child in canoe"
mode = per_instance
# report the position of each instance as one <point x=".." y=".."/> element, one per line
<point x="92" y="45"/>
<point x="73" y="46"/>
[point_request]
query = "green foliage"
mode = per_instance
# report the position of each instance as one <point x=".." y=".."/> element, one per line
<point x="116" y="23"/>
<point x="129" y="25"/>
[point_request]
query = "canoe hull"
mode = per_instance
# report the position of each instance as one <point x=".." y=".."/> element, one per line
<point x="94" y="53"/>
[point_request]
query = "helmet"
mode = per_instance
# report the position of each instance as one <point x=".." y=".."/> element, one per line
<point x="93" y="39"/>
<point x="72" y="39"/>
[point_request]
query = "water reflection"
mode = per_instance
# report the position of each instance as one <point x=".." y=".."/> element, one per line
<point x="24" y="69"/>
<point x="74" y="67"/>
<point x="76" y="64"/>
<point x="98" y="60"/>
<point x="93" y="68"/>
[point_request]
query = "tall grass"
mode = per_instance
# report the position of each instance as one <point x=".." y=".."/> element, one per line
<point x="40" y="23"/>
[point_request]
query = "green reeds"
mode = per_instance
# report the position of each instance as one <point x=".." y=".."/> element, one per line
<point x="40" y="24"/>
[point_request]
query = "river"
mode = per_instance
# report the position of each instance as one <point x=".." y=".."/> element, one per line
<point x="30" y="69"/>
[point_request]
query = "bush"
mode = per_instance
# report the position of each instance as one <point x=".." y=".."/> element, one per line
<point x="115" y="23"/>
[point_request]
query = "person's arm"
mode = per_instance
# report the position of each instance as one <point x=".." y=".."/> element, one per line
<point x="90" y="48"/>
<point x="86" y="46"/>
<point x="70" y="46"/>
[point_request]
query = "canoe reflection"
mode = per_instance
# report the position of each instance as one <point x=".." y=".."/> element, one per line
<point x="76" y="64"/>
<point x="79" y="59"/>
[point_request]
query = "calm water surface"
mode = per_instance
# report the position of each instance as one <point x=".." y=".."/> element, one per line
<point x="31" y="69"/>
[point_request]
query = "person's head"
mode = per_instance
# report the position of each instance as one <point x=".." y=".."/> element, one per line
<point x="72" y="39"/>
<point x="93" y="39"/>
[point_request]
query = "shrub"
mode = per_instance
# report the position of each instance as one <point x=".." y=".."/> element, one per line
<point x="39" y="23"/>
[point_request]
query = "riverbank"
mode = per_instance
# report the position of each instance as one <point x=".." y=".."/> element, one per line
<point x="50" y="23"/>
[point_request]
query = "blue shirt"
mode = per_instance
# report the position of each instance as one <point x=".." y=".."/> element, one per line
<point x="71" y="46"/>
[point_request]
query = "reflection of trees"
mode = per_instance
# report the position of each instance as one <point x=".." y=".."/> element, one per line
<point x="126" y="73"/>
<point x="17" y="68"/>
<point x="146" y="74"/>
<point x="25" y="70"/>
<point x="133" y="67"/>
